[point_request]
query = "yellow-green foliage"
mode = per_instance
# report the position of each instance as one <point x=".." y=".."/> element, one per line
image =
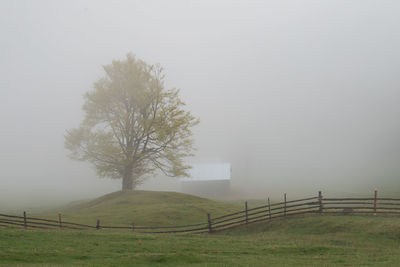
<point x="133" y="125"/>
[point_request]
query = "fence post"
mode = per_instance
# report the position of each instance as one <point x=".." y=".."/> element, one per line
<point x="320" y="202"/>
<point x="133" y="227"/>
<point x="209" y="223"/>
<point x="98" y="224"/>
<point x="269" y="209"/>
<point x="25" y="223"/>
<point x="247" y="215"/>
<point x="375" y="199"/>
<point x="59" y="220"/>
<point x="284" y="207"/>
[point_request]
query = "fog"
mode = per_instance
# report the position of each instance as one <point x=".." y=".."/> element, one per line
<point x="298" y="96"/>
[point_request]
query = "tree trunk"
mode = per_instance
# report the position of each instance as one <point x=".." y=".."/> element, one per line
<point x="127" y="179"/>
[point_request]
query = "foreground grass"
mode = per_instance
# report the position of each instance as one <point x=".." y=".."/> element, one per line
<point x="304" y="241"/>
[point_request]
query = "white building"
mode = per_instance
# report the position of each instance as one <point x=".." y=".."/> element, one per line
<point x="208" y="180"/>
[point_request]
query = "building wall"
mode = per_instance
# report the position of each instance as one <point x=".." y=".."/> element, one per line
<point x="208" y="189"/>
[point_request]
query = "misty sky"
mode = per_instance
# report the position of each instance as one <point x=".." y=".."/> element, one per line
<point x="295" y="94"/>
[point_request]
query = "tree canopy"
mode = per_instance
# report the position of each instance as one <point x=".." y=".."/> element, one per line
<point x="133" y="126"/>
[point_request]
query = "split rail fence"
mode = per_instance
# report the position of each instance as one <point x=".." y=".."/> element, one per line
<point x="312" y="205"/>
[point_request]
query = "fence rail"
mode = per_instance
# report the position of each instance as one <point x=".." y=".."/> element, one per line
<point x="311" y="205"/>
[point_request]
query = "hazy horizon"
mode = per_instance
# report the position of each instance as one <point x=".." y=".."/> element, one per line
<point x="298" y="96"/>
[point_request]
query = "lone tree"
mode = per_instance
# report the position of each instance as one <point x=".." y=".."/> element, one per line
<point x="133" y="126"/>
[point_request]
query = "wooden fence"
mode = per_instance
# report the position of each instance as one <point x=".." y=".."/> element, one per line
<point x="316" y="205"/>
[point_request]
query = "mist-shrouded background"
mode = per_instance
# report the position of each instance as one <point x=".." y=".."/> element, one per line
<point x="298" y="96"/>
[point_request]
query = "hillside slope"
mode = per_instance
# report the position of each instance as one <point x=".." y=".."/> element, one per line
<point x="382" y="226"/>
<point x="149" y="208"/>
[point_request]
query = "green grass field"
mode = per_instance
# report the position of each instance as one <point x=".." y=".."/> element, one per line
<point x="302" y="241"/>
<point x="310" y="240"/>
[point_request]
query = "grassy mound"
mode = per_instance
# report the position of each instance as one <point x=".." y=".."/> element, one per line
<point x="146" y="208"/>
